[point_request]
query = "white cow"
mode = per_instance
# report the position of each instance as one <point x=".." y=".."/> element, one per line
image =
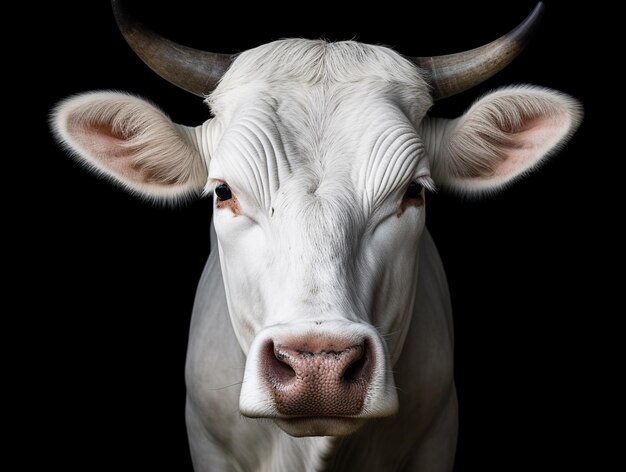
<point x="322" y="280"/>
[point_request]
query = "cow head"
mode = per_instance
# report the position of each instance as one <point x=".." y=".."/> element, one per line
<point x="318" y="156"/>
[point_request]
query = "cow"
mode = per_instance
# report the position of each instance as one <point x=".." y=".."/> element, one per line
<point x="321" y="336"/>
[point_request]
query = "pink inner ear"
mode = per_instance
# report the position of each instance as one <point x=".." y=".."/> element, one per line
<point x="108" y="146"/>
<point x="528" y="144"/>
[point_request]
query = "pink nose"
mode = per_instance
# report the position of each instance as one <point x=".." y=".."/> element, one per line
<point x="318" y="377"/>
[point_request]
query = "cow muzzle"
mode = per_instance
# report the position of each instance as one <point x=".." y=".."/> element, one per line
<point x="318" y="382"/>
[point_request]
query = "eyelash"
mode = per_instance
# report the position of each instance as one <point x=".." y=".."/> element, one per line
<point x="414" y="190"/>
<point x="424" y="182"/>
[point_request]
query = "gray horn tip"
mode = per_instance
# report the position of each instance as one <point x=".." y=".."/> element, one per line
<point x="121" y="13"/>
<point x="530" y="24"/>
<point x="453" y="73"/>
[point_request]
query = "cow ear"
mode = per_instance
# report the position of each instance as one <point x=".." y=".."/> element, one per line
<point x="501" y="137"/>
<point x="134" y="143"/>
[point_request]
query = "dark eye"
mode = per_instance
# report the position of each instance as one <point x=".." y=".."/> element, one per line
<point x="414" y="190"/>
<point x="222" y="191"/>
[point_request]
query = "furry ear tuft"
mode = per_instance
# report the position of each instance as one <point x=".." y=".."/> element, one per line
<point x="501" y="137"/>
<point x="132" y="142"/>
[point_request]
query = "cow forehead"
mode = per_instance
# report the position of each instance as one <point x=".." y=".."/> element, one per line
<point x="273" y="69"/>
<point x="352" y="141"/>
<point x="345" y="113"/>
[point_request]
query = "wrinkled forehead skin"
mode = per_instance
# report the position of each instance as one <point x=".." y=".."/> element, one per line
<point x="317" y="142"/>
<point x="316" y="110"/>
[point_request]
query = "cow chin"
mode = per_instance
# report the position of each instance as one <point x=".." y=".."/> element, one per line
<point x="302" y="427"/>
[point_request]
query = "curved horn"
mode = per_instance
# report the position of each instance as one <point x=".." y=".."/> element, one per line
<point x="454" y="73"/>
<point x="191" y="69"/>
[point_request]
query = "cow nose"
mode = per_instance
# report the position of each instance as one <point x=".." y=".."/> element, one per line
<point x="313" y="377"/>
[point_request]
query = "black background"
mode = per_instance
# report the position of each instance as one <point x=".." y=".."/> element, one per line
<point x="112" y="330"/>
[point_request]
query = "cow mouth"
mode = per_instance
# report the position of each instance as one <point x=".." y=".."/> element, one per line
<point x="319" y="426"/>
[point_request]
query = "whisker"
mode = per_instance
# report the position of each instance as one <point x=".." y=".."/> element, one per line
<point x="386" y="335"/>
<point x="389" y="335"/>
<point x="214" y="389"/>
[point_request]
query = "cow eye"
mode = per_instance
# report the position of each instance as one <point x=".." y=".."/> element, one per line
<point x="414" y="190"/>
<point x="222" y="191"/>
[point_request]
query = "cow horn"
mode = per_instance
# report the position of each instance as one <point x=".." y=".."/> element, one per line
<point x="454" y="73"/>
<point x="191" y="69"/>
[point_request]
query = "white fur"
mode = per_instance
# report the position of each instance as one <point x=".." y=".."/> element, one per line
<point x="319" y="245"/>
<point x="421" y="436"/>
<point x="290" y="63"/>
<point x="318" y="142"/>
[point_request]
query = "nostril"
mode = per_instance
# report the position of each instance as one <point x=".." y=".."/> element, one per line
<point x="357" y="369"/>
<point x="353" y="371"/>
<point x="277" y="365"/>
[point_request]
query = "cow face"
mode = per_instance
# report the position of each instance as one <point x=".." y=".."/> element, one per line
<point x="318" y="157"/>
<point x="319" y="205"/>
